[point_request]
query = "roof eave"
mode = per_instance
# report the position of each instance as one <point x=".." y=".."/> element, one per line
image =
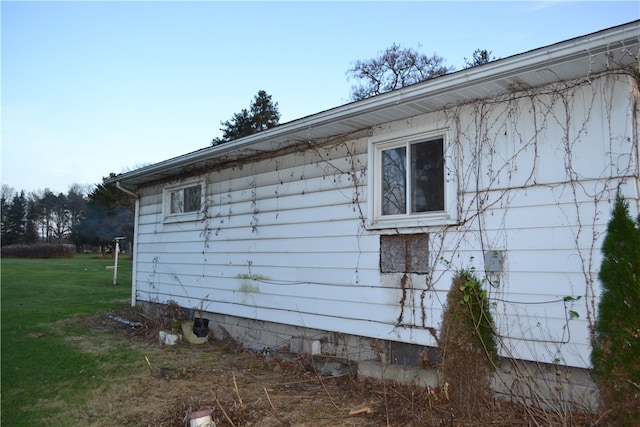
<point x="501" y="73"/>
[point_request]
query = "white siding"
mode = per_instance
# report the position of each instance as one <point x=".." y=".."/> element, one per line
<point x="536" y="174"/>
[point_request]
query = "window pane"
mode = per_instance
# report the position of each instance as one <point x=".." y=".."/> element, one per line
<point x="427" y="176"/>
<point x="192" y="198"/>
<point x="177" y="202"/>
<point x="394" y="181"/>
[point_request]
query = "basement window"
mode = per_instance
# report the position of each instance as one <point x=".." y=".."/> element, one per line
<point x="410" y="184"/>
<point x="184" y="202"/>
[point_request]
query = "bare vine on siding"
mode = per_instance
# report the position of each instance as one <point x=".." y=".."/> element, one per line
<point x="489" y="179"/>
<point x="352" y="169"/>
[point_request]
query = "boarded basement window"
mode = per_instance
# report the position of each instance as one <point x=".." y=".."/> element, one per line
<point x="404" y="253"/>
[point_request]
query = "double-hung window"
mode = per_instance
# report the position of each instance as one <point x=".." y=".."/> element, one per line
<point x="184" y="202"/>
<point x="409" y="181"/>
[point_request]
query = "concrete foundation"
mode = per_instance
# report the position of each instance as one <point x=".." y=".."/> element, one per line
<point x="561" y="388"/>
<point x="419" y="377"/>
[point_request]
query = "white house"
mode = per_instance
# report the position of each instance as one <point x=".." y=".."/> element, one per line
<point x="339" y="233"/>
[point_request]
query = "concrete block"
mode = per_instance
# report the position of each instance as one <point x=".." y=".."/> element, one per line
<point x="331" y="367"/>
<point x="301" y="345"/>
<point x="406" y="375"/>
<point x="316" y="347"/>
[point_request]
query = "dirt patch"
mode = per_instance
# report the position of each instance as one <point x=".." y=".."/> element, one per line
<point x="242" y="388"/>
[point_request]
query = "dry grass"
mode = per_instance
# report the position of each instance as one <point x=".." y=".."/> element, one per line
<point x="245" y="389"/>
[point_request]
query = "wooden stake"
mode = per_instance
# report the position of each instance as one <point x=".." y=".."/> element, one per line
<point x="269" y="399"/>
<point x="235" y="385"/>
<point x="149" y="364"/>
<point x="223" y="411"/>
<point x="325" y="390"/>
<point x="363" y="408"/>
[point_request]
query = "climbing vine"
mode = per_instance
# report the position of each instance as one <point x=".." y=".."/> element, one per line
<point x="495" y="159"/>
<point x="505" y="155"/>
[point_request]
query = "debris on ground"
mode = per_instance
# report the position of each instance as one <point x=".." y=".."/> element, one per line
<point x="243" y="388"/>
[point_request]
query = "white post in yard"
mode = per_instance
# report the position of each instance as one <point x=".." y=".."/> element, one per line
<point x="115" y="266"/>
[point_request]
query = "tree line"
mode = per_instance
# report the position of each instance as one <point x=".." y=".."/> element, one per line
<point x="82" y="217"/>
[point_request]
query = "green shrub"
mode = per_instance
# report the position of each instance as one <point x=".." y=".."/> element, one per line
<point x="468" y="345"/>
<point x="38" y="250"/>
<point x="616" y="343"/>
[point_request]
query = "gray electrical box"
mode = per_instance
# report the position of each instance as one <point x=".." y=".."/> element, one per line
<point x="493" y="262"/>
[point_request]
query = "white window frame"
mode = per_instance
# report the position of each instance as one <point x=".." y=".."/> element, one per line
<point x="404" y="138"/>
<point x="183" y="216"/>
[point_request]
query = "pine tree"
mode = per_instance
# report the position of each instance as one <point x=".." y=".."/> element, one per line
<point x="108" y="213"/>
<point x="14" y="225"/>
<point x="262" y="114"/>
<point x="616" y="347"/>
<point x="31" y="228"/>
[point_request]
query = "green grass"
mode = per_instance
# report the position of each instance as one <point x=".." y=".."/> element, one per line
<point x="43" y="372"/>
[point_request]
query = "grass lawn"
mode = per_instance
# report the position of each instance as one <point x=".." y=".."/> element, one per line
<point x="42" y="373"/>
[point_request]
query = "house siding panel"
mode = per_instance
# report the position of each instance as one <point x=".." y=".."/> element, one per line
<point x="529" y="185"/>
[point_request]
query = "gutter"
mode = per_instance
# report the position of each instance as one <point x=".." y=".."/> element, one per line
<point x="129" y="192"/>
<point x="136" y="215"/>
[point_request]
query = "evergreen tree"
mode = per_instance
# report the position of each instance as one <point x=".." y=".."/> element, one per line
<point x="262" y="114"/>
<point x="468" y="344"/>
<point x="238" y="126"/>
<point x="31" y="228"/>
<point x="616" y="346"/>
<point x="6" y="194"/>
<point x="15" y="220"/>
<point x="108" y="214"/>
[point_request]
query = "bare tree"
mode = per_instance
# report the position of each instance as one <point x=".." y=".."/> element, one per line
<point x="394" y="68"/>
<point x="76" y="203"/>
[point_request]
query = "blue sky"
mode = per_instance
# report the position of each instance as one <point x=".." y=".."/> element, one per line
<point x="90" y="88"/>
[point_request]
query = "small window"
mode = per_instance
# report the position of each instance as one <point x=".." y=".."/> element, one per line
<point x="184" y="203"/>
<point x="410" y="183"/>
<point x="413" y="183"/>
<point x="185" y="200"/>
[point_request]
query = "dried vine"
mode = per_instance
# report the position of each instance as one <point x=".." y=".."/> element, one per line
<point x="525" y="118"/>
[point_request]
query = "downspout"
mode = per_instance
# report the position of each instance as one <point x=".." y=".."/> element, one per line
<point x="634" y="85"/>
<point x="135" y="241"/>
<point x="636" y="131"/>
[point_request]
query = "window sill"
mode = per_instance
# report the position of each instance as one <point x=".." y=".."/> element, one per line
<point x="188" y="217"/>
<point x="405" y="221"/>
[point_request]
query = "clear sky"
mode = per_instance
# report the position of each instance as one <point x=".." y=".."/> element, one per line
<point x="90" y="88"/>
